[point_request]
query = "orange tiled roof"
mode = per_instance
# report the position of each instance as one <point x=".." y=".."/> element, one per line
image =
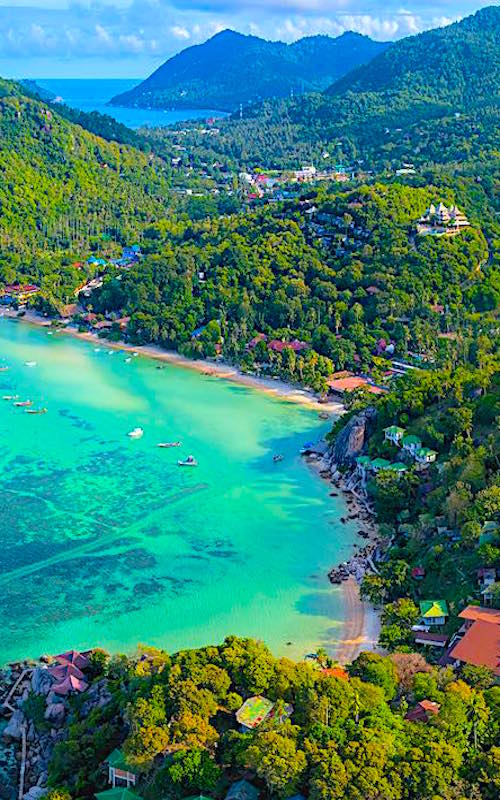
<point x="480" y="646"/>
<point x="473" y="613"/>
<point x="351" y="382"/>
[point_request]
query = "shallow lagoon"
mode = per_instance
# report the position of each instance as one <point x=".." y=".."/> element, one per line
<point x="105" y="541"/>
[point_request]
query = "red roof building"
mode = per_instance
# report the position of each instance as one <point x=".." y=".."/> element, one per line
<point x="423" y="711"/>
<point x="75" y="658"/>
<point x="278" y="346"/>
<point x="70" y="684"/>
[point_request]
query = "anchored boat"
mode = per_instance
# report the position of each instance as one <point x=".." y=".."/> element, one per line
<point x="190" y="461"/>
<point x="136" y="433"/>
<point x="169" y="444"/>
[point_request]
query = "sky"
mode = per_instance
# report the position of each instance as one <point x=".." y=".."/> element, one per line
<point x="130" y="38"/>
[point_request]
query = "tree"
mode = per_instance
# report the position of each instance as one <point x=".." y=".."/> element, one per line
<point x="376" y="669"/>
<point x="276" y="759"/>
<point x="193" y="771"/>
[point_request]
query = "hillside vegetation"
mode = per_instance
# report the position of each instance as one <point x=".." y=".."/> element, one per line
<point x="230" y="69"/>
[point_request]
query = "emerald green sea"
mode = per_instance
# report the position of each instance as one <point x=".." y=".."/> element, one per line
<point x="106" y="541"/>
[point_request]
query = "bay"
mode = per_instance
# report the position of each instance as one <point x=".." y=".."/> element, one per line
<point x="93" y="94"/>
<point x="106" y="541"/>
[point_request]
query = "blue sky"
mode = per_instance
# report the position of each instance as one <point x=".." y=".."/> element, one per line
<point x="130" y="38"/>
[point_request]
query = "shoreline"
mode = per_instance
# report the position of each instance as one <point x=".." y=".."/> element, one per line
<point x="361" y="623"/>
<point x="270" y="386"/>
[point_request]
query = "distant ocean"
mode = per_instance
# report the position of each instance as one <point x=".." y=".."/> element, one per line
<point x="93" y="94"/>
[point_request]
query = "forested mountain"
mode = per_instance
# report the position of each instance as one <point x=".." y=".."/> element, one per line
<point x="442" y="79"/>
<point x="63" y="188"/>
<point x="230" y="69"/>
<point x="459" y="64"/>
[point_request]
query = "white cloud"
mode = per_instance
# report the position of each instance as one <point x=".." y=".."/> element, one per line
<point x="180" y="32"/>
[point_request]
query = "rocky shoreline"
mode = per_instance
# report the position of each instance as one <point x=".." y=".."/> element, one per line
<point x="336" y="464"/>
<point x="37" y="719"/>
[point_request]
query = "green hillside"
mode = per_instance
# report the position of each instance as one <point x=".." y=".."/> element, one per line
<point x="230" y="69"/>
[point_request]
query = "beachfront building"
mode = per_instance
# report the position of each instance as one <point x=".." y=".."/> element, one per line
<point x="18" y="293"/>
<point x="363" y="466"/>
<point x="120" y="773"/>
<point x="434" y="612"/>
<point x="394" y="434"/>
<point x="411" y="444"/>
<point x="424" y="456"/>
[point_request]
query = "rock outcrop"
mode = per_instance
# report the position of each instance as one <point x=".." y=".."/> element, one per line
<point x="14" y="727"/>
<point x="352" y="438"/>
<point x="41" y="681"/>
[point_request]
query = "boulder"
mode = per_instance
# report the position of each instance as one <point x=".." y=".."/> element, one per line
<point x="41" y="681"/>
<point x="55" y="713"/>
<point x="14" y="727"/>
<point x="35" y="793"/>
<point x="351" y="440"/>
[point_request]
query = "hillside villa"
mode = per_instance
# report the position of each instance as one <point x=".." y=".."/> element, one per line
<point x="442" y="221"/>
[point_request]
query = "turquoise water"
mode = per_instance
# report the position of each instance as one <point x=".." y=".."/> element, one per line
<point x="105" y="541"/>
<point x="94" y="94"/>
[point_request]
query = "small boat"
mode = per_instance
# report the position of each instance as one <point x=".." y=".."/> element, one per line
<point x="128" y="360"/>
<point x="3" y="369"/>
<point x="190" y="461"/>
<point x="50" y="333"/>
<point x="169" y="444"/>
<point x="135" y="355"/>
<point x="136" y="433"/>
<point x="97" y="349"/>
<point x="306" y="448"/>
<point x="23" y="403"/>
<point x="324" y="415"/>
<point x="110" y="352"/>
<point x="278" y="457"/>
<point x="30" y="363"/>
<point x="36" y="411"/>
<point x="10" y="397"/>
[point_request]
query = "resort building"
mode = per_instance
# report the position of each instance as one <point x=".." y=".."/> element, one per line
<point x="434" y="612"/>
<point x="118" y="793"/>
<point x="424" y="456"/>
<point x="342" y="382"/>
<point x="120" y="773"/>
<point x="19" y="293"/>
<point x="478" y="640"/>
<point x="255" y="710"/>
<point x="442" y="221"/>
<point x="398" y="468"/>
<point x="242" y="790"/>
<point x="431" y="639"/>
<point x="423" y="711"/>
<point x="379" y="464"/>
<point x="394" y="434"/>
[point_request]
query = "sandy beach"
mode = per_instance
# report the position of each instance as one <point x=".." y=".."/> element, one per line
<point x="217" y="369"/>
<point x="361" y="627"/>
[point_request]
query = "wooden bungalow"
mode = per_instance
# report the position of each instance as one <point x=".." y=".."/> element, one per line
<point x="120" y="773"/>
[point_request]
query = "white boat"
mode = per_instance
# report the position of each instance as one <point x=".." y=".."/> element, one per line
<point x="97" y="349"/>
<point x="190" y="461"/>
<point x="50" y="333"/>
<point x="30" y="363"/>
<point x="10" y="397"/>
<point x="136" y="433"/>
<point x="128" y="360"/>
<point x="169" y="444"/>
<point x="135" y="355"/>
